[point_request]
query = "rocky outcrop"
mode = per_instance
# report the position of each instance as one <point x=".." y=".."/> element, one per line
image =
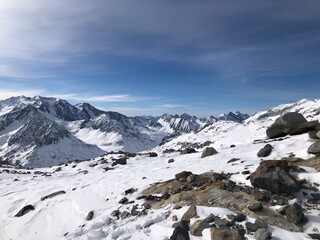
<point x="281" y="124"/>
<point x="273" y="175"/>
<point x="24" y="210"/>
<point x="51" y="195"/>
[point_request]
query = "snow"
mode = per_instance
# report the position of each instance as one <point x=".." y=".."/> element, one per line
<point x="63" y="216"/>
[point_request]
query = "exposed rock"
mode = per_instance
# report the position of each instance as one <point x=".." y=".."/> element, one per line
<point x="198" y="226"/>
<point x="188" y="151"/>
<point x="315" y="148"/>
<point x="251" y="227"/>
<point x="255" y="207"/>
<point x="221" y="222"/>
<point x="115" y="213"/>
<point x="123" y="200"/>
<point x="265" y="151"/>
<point x="261" y="234"/>
<point x="180" y="233"/>
<point x="130" y="191"/>
<point x="165" y="196"/>
<point x="24" y="210"/>
<point x="313" y="134"/>
<point x="294" y="214"/>
<point x="191" y="178"/>
<point x="208" y="151"/>
<point x="152" y="154"/>
<point x="232" y="146"/>
<point x="260" y="195"/>
<point x="237" y="218"/>
<point x="287" y="121"/>
<point x="225" y="233"/>
<point x="273" y="175"/>
<point x="302" y="128"/>
<point x="120" y="161"/>
<point x="51" y="195"/>
<point x="90" y="216"/>
<point x="124" y="214"/>
<point x="190" y="213"/>
<point x="171" y="160"/>
<point x="183" y="174"/>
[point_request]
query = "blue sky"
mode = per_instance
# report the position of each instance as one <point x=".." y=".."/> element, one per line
<point x="151" y="57"/>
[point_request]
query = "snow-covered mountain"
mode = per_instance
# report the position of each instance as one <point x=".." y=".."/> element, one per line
<point x="43" y="131"/>
<point x="234" y="116"/>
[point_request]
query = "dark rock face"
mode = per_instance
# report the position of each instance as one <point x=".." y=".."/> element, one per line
<point x="120" y="161"/>
<point x="302" y="128"/>
<point x="274" y="176"/>
<point x="180" y="233"/>
<point x="24" y="210"/>
<point x="294" y="213"/>
<point x="188" y="151"/>
<point x="313" y="134"/>
<point x="287" y="121"/>
<point x="198" y="226"/>
<point x="152" y="154"/>
<point x="315" y="148"/>
<point x="261" y="234"/>
<point x="183" y="174"/>
<point x="51" y="195"/>
<point x="208" y="151"/>
<point x="265" y="151"/>
<point x="90" y="216"/>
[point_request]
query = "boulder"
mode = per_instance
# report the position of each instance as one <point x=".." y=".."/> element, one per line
<point x="294" y="214"/>
<point x="315" y="148"/>
<point x="198" y="226"/>
<point x="225" y="233"/>
<point x="255" y="207"/>
<point x="265" y="151"/>
<point x="123" y="200"/>
<point x="180" y="233"/>
<point x="24" y="210"/>
<point x="171" y="160"/>
<point x="208" y="151"/>
<point x="313" y="134"/>
<point x="261" y="234"/>
<point x="152" y="154"/>
<point x="183" y="174"/>
<point x="287" y="121"/>
<point x="190" y="213"/>
<point x="120" y="161"/>
<point x="90" y="216"/>
<point x="274" y="176"/>
<point x="188" y="151"/>
<point x="302" y="128"/>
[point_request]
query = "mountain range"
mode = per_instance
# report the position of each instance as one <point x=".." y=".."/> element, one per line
<point x="46" y="131"/>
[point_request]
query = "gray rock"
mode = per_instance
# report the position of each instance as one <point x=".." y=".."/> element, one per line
<point x="208" y="151"/>
<point x="288" y="120"/>
<point x="90" y="216"/>
<point x="180" y="233"/>
<point x="313" y="134"/>
<point x="123" y="200"/>
<point x="225" y="234"/>
<point x="251" y="227"/>
<point x="274" y="176"/>
<point x="265" y="151"/>
<point x="294" y="214"/>
<point x="198" y="226"/>
<point x="120" y="161"/>
<point x="24" y="210"/>
<point x="152" y="154"/>
<point x="190" y="213"/>
<point x="315" y="148"/>
<point x="302" y="128"/>
<point x="261" y="234"/>
<point x="124" y="215"/>
<point x="171" y="160"/>
<point x="255" y="207"/>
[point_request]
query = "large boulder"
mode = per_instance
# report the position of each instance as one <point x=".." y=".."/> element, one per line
<point x="273" y="175"/>
<point x="283" y="123"/>
<point x="302" y="128"/>
<point x="265" y="151"/>
<point x="315" y="148"/>
<point x="208" y="151"/>
<point x="294" y="214"/>
<point x="198" y="226"/>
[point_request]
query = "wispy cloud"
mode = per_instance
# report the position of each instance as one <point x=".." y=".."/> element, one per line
<point x="7" y="93"/>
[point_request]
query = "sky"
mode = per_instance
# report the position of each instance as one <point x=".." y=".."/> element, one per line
<point x="147" y="57"/>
